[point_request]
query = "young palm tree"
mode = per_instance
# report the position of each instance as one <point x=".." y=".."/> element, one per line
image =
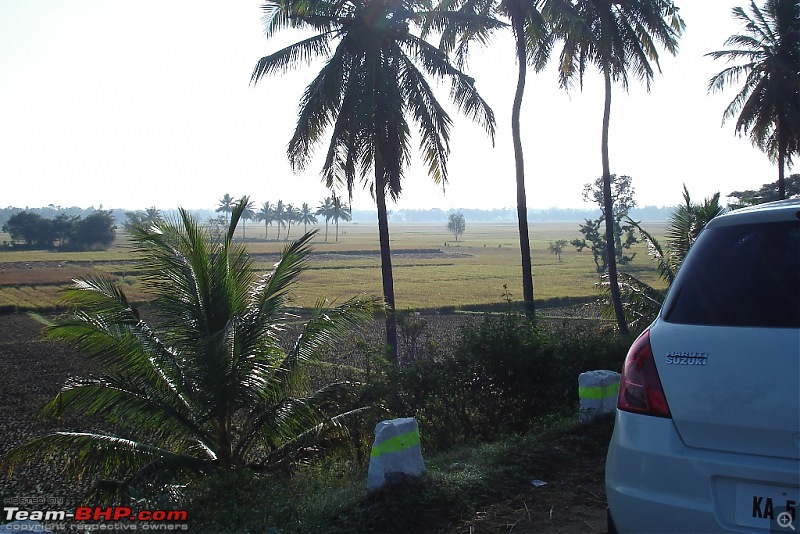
<point x="642" y="301"/>
<point x="325" y="209"/>
<point x="532" y="43"/>
<point x="617" y="37"/>
<point x="207" y="386"/>
<point x="306" y="217"/>
<point x="266" y="215"/>
<point x="768" y="105"/>
<point x="339" y="210"/>
<point x="371" y="86"/>
<point x="226" y="204"/>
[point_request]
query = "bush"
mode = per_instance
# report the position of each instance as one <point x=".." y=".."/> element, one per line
<point x="505" y="375"/>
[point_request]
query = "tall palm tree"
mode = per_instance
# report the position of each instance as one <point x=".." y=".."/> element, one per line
<point x="372" y="83"/>
<point x="617" y="37"/>
<point x="339" y="211"/>
<point x="768" y="105"/>
<point x="207" y="386"/>
<point x="325" y="209"/>
<point x="532" y="43"/>
<point x="225" y="206"/>
<point x="266" y="215"/>
<point x="306" y="216"/>
<point x="248" y="214"/>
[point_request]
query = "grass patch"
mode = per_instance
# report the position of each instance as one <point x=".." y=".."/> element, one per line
<point x="332" y="497"/>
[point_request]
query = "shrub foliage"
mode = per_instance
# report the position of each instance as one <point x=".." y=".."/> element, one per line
<point x="505" y="375"/>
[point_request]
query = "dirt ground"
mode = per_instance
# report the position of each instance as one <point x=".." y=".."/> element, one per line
<point x="32" y="371"/>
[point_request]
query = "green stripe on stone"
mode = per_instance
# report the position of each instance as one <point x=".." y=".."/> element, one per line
<point x="397" y="443"/>
<point x="603" y="392"/>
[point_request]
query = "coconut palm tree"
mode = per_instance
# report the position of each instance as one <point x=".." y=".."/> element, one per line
<point x="151" y="216"/>
<point x="292" y="214"/>
<point x="618" y="38"/>
<point x="248" y="215"/>
<point x="339" y="211"/>
<point x="370" y="90"/>
<point x="226" y="204"/>
<point x="280" y="216"/>
<point x="266" y="215"/>
<point x="325" y="209"/>
<point x="306" y="216"/>
<point x="532" y="43"/>
<point x="207" y="386"/>
<point x="768" y="105"/>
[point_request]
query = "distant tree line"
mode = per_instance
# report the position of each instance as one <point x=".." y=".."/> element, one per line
<point x="767" y="193"/>
<point x="30" y="230"/>
<point x="283" y="215"/>
<point x="51" y="211"/>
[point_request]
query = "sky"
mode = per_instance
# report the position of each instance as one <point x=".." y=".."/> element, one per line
<point x="149" y="103"/>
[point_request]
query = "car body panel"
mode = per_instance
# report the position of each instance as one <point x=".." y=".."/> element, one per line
<point x="655" y="483"/>
<point x="739" y="383"/>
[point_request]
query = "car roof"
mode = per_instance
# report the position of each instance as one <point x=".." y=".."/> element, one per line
<point x="781" y="210"/>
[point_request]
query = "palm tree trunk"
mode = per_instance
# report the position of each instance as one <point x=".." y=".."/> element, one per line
<point x="608" y="208"/>
<point x="386" y="264"/>
<point x="522" y="204"/>
<point x="326" y="229"/>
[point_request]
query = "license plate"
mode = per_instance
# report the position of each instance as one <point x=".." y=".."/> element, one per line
<point x="763" y="506"/>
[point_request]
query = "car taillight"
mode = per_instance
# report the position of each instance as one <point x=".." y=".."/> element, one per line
<point x="640" y="389"/>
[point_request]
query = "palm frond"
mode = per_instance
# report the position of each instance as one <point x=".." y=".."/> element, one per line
<point x="663" y="263"/>
<point x="292" y="56"/>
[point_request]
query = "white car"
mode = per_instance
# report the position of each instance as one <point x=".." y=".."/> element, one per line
<point x="707" y="431"/>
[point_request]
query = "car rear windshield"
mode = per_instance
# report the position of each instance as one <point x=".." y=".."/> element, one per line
<point x="746" y="275"/>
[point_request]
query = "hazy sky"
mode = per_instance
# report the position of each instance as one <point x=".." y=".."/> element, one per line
<point x="148" y="103"/>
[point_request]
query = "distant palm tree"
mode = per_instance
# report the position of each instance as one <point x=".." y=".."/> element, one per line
<point x="373" y="82"/>
<point x="248" y="214"/>
<point x="617" y="37"/>
<point x="306" y="217"/>
<point x="152" y="215"/>
<point x="292" y="215"/>
<point x="226" y="204"/>
<point x="266" y="215"/>
<point x="207" y="387"/>
<point x="768" y="104"/>
<point x="325" y="210"/>
<point x="340" y="210"/>
<point x="280" y="216"/>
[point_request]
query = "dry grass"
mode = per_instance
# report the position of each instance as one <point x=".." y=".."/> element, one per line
<point x="431" y="269"/>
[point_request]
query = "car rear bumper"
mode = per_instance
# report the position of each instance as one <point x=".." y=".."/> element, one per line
<point x="655" y="483"/>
